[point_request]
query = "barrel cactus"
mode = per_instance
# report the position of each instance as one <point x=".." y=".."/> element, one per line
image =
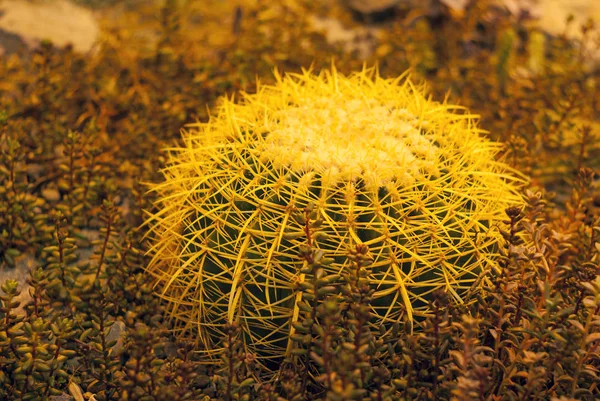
<point x="381" y="163"/>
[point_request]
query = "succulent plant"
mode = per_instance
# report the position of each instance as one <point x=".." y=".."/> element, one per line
<point x="382" y="164"/>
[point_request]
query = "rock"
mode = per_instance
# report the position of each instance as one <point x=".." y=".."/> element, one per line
<point x="166" y="350"/>
<point x="371" y="6"/>
<point x="59" y="21"/>
<point x="550" y="16"/>
<point x="211" y="390"/>
<point x="89" y="234"/>
<point x="20" y="273"/>
<point x="117" y="332"/>
<point x="62" y="397"/>
<point x="51" y="194"/>
<point x="360" y="39"/>
<point x="11" y="43"/>
<point x="170" y="349"/>
<point x="202" y="381"/>
<point x="35" y="170"/>
<point x="373" y="10"/>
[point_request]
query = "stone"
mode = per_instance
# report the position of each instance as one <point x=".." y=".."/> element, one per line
<point x="51" y="194"/>
<point x="60" y="21"/>
<point x="35" y="170"/>
<point x="166" y="350"/>
<point x="551" y="17"/>
<point x="11" y="43"/>
<point x="371" y="11"/>
<point x="371" y="6"/>
<point x="20" y="273"/>
<point x="117" y="332"/>
<point x="62" y="397"/>
<point x="202" y="381"/>
<point x="361" y="39"/>
<point x="211" y="390"/>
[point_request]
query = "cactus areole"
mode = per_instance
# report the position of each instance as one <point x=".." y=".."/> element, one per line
<point x="383" y="165"/>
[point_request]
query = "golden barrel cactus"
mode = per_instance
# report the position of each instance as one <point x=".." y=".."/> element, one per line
<point x="384" y="165"/>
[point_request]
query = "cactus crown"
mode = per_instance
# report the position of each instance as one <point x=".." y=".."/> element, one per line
<point x="384" y="165"/>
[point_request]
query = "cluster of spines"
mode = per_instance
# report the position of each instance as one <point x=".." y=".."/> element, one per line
<point x="227" y="242"/>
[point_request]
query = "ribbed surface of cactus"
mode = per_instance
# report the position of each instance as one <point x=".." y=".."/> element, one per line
<point x="413" y="179"/>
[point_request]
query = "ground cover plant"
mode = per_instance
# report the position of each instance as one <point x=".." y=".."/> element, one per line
<point x="81" y="134"/>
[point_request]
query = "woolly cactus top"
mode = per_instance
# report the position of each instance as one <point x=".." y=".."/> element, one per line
<point x="384" y="165"/>
<point x="344" y="136"/>
<point x="382" y="131"/>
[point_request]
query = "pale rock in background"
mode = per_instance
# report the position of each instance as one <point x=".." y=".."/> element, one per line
<point x="20" y="273"/>
<point x="360" y="39"/>
<point x="59" y="21"/>
<point x="551" y="16"/>
<point x="371" y="6"/>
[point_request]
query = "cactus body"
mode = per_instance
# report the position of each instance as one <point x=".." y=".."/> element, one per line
<point x="411" y="178"/>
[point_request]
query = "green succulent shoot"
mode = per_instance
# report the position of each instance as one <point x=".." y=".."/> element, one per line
<point x="413" y="179"/>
